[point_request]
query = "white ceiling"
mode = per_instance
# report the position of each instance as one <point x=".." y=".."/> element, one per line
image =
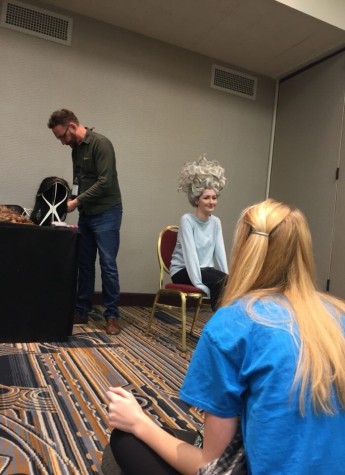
<point x="261" y="36"/>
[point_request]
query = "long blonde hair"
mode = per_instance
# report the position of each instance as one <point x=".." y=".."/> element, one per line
<point x="272" y="253"/>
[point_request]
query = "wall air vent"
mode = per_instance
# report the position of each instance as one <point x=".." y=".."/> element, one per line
<point x="228" y="80"/>
<point x="37" y="22"/>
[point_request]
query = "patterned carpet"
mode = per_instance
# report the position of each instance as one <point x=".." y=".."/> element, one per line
<point x="52" y="395"/>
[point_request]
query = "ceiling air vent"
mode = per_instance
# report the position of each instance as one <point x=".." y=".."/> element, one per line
<point x="37" y="22"/>
<point x="228" y="80"/>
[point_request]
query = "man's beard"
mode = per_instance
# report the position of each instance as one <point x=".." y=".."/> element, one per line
<point x="73" y="143"/>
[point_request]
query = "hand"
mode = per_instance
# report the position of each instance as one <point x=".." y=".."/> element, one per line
<point x="72" y="205"/>
<point x="124" y="411"/>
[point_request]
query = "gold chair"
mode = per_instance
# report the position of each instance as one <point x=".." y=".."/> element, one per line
<point x="165" y="248"/>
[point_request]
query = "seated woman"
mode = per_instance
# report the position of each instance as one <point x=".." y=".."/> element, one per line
<point x="200" y="246"/>
<point x="273" y="354"/>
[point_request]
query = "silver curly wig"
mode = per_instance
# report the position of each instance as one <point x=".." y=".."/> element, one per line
<point x="196" y="176"/>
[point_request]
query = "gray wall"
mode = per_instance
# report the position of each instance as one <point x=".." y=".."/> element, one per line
<point x="307" y="151"/>
<point x="155" y="103"/>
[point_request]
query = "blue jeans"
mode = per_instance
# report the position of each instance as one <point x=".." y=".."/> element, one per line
<point x="100" y="232"/>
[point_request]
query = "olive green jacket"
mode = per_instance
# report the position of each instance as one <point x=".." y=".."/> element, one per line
<point x="94" y="171"/>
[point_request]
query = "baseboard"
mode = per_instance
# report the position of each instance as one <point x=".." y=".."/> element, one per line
<point x="129" y="299"/>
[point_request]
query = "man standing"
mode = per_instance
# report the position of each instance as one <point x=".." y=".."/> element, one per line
<point x="96" y="194"/>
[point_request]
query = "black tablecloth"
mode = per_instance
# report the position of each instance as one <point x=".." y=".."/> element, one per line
<point x="38" y="279"/>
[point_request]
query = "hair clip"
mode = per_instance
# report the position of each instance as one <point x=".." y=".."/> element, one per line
<point x="260" y="233"/>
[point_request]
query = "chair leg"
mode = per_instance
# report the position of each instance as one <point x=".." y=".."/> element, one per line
<point x="196" y="314"/>
<point x="184" y="318"/>
<point x="152" y="314"/>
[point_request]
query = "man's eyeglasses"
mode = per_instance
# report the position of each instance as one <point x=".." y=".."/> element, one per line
<point x="64" y="135"/>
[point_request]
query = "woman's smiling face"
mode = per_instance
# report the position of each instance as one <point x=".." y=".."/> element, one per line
<point x="207" y="201"/>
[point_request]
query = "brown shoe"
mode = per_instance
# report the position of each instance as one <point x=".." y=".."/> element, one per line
<point x="112" y="326"/>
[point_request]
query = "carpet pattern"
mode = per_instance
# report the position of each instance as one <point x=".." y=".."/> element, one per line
<point x="53" y="408"/>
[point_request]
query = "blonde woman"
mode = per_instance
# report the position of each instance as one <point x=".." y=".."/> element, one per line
<point x="274" y="354"/>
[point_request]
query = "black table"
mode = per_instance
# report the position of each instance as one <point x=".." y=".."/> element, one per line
<point x="38" y="279"/>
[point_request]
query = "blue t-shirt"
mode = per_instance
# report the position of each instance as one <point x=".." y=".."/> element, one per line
<point x="244" y="367"/>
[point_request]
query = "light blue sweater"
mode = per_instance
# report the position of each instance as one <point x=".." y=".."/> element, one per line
<point x="199" y="244"/>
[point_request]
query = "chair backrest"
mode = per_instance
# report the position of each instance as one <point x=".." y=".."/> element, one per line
<point x="166" y="245"/>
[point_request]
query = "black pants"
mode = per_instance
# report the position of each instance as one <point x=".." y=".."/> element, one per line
<point x="213" y="278"/>
<point x="135" y="457"/>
